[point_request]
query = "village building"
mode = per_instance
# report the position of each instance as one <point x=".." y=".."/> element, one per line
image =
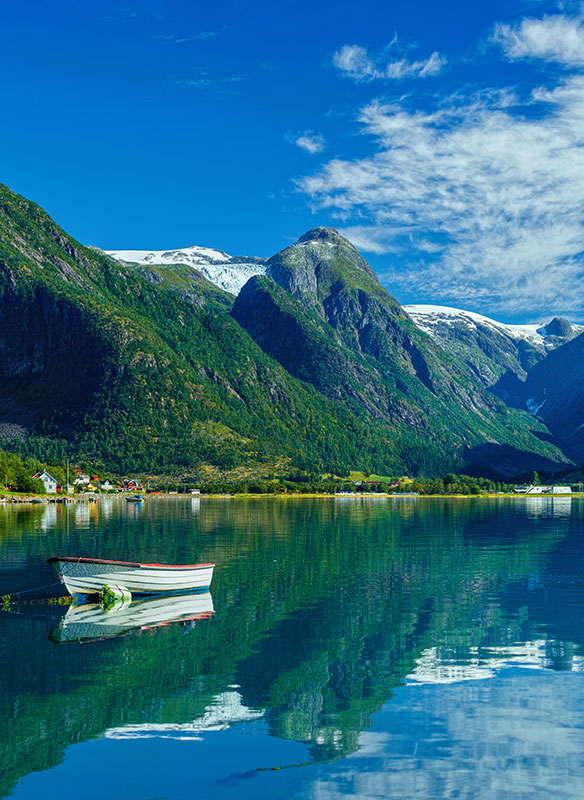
<point x="50" y="483"/>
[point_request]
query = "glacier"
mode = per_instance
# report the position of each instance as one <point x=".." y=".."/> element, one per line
<point x="227" y="272"/>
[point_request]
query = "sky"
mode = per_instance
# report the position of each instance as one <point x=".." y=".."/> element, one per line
<point x="444" y="139"/>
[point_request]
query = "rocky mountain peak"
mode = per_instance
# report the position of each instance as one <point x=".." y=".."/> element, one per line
<point x="318" y="260"/>
<point x="559" y="326"/>
<point x="323" y="235"/>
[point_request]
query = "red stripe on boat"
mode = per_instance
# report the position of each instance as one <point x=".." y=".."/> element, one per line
<point x="125" y="563"/>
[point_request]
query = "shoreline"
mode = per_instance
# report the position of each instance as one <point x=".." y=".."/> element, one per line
<point x="16" y="499"/>
<point x="405" y="495"/>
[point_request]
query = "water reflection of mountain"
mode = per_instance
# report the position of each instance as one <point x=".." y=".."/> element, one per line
<point x="323" y="609"/>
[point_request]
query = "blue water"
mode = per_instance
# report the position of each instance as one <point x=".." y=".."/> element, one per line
<point x="358" y="647"/>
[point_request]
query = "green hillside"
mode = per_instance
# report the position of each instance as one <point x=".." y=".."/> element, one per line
<point x="323" y="314"/>
<point x="145" y="369"/>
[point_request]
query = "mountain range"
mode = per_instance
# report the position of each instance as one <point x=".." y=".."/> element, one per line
<point x="141" y="360"/>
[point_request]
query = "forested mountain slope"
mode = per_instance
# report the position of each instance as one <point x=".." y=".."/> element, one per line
<point x="323" y="314"/>
<point x="144" y="368"/>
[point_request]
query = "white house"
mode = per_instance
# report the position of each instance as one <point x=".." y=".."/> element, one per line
<point x="49" y="482"/>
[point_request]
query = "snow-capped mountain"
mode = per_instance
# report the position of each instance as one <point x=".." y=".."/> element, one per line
<point x="498" y="352"/>
<point x="227" y="272"/>
<point x="432" y="319"/>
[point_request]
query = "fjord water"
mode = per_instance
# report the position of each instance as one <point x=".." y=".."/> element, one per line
<point x="359" y="647"/>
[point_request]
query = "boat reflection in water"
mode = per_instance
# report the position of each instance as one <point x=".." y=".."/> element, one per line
<point x="91" y="621"/>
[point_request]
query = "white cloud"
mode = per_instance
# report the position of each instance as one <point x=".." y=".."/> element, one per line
<point x="357" y="63"/>
<point x="354" y="62"/>
<point x="311" y="142"/>
<point x="372" y="239"/>
<point x="555" y="38"/>
<point x="482" y="201"/>
<point x="415" y="69"/>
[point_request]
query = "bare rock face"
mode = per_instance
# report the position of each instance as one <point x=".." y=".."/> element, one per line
<point x="325" y="316"/>
<point x="320" y="258"/>
<point x="560" y="327"/>
<point x="308" y="347"/>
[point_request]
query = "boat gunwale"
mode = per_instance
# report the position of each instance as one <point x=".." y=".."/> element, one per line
<point x="83" y="560"/>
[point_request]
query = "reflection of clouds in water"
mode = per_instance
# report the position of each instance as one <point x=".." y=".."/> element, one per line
<point x="553" y="507"/>
<point x="453" y="665"/>
<point x="511" y="736"/>
<point x="225" y="710"/>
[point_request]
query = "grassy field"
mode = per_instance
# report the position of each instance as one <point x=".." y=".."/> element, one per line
<point x="360" y="476"/>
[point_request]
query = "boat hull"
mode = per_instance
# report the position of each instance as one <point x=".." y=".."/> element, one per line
<point x="87" y="576"/>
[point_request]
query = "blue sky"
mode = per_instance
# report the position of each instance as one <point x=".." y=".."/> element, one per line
<point x="445" y="139"/>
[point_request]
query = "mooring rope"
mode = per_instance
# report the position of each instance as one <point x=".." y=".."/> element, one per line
<point x="15" y="597"/>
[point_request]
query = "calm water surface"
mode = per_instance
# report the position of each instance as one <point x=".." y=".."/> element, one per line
<point x="358" y="647"/>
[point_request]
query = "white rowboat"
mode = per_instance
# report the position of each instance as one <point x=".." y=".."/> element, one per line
<point x="90" y="575"/>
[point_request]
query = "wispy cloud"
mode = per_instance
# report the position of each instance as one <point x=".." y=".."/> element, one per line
<point x="482" y="200"/>
<point x="204" y="80"/>
<point x="309" y="141"/>
<point x="130" y="13"/>
<point x="359" y="64"/>
<point x="171" y="38"/>
<point x="555" y="38"/>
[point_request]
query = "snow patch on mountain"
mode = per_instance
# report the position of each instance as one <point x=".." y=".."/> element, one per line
<point x="185" y="255"/>
<point x="227" y="272"/>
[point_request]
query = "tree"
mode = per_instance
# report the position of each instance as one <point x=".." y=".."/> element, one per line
<point x="24" y="482"/>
